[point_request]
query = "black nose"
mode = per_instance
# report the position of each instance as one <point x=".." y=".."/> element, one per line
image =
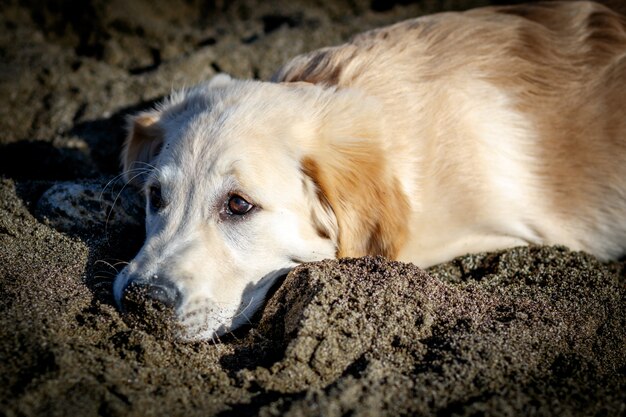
<point x="156" y="291"/>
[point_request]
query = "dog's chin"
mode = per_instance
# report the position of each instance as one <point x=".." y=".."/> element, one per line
<point x="207" y="321"/>
<point x="212" y="334"/>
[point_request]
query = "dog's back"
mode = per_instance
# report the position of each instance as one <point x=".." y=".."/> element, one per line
<point x="519" y="109"/>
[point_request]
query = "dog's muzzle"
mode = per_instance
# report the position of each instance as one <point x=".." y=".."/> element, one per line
<point x="153" y="290"/>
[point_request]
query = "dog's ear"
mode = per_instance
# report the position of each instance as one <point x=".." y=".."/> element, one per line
<point x="143" y="143"/>
<point x="323" y="217"/>
<point x="356" y="180"/>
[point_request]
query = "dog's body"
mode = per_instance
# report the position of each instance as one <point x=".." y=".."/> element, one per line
<point x="432" y="138"/>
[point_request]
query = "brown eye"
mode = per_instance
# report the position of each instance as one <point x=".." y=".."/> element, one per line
<point x="155" y="198"/>
<point x="238" y="205"/>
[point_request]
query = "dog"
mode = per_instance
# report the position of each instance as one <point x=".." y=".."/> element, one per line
<point x="435" y="137"/>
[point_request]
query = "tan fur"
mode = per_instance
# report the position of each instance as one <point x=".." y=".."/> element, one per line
<point x="349" y="167"/>
<point x="368" y="204"/>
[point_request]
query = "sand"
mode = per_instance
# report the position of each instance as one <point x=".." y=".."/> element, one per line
<point x="528" y="331"/>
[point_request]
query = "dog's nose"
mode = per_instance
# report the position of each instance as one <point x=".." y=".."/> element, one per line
<point x="156" y="290"/>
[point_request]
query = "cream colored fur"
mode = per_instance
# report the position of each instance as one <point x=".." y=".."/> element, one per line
<point x="422" y="141"/>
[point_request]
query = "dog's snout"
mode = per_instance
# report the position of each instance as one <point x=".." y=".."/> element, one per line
<point x="156" y="290"/>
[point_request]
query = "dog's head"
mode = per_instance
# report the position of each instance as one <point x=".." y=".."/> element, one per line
<point x="245" y="180"/>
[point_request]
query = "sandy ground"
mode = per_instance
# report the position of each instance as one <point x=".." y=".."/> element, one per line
<point x="529" y="331"/>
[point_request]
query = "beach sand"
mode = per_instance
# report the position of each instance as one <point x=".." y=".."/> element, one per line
<point x="527" y="331"/>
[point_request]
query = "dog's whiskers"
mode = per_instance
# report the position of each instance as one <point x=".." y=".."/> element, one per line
<point x="104" y="278"/>
<point x="141" y="172"/>
<point x="150" y="167"/>
<point x="138" y="171"/>
<point x="102" y="283"/>
<point x="110" y="275"/>
<point x="113" y="267"/>
<point x="111" y="181"/>
<point x="118" y="260"/>
<point x="243" y="312"/>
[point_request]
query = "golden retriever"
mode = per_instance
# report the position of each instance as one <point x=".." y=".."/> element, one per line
<point x="422" y="141"/>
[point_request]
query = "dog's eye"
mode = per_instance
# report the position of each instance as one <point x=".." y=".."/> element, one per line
<point x="238" y="205"/>
<point x="155" y="198"/>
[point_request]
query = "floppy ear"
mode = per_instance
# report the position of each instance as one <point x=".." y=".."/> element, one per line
<point x="323" y="217"/>
<point x="143" y="143"/>
<point x="355" y="179"/>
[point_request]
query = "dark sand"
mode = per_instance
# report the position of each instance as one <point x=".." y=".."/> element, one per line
<point x="529" y="331"/>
